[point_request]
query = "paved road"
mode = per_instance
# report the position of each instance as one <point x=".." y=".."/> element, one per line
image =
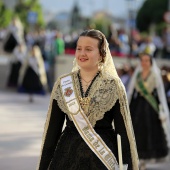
<point x="21" y="127"/>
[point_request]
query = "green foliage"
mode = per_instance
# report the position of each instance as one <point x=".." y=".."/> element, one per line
<point x="101" y="23"/>
<point x="5" y="14"/>
<point x="151" y="12"/>
<point x="160" y="27"/>
<point x="22" y="9"/>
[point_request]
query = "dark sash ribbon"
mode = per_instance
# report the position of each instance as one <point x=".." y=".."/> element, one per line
<point x="144" y="92"/>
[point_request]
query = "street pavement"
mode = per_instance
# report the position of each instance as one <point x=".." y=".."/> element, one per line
<point x="21" y="128"/>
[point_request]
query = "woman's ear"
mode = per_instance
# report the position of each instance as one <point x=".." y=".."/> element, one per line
<point x="100" y="59"/>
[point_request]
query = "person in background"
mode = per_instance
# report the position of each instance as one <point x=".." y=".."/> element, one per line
<point x="89" y="98"/>
<point x="32" y="78"/>
<point x="126" y="73"/>
<point x="166" y="43"/>
<point x="147" y="44"/>
<point x="57" y="49"/>
<point x="15" y="35"/>
<point x="149" y="111"/>
<point x="59" y="44"/>
<point x="16" y="62"/>
<point x="165" y="70"/>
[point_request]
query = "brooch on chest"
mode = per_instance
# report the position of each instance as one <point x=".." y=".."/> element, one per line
<point x="84" y="102"/>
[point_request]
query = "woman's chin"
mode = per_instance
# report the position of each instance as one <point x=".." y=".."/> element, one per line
<point x="83" y="65"/>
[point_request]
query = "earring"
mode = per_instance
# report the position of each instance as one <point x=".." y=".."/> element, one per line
<point x="75" y="65"/>
<point x="100" y="65"/>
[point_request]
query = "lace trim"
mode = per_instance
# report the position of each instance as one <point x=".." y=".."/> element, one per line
<point x="124" y="109"/>
<point x="150" y="83"/>
<point x="58" y="96"/>
<point x="103" y="97"/>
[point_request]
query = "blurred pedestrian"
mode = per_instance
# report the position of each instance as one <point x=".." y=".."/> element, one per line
<point x="112" y="38"/>
<point x="59" y="45"/>
<point x="32" y="79"/>
<point x="15" y="35"/>
<point x="166" y="43"/>
<point x="126" y="73"/>
<point x="149" y="111"/>
<point x="57" y="49"/>
<point x="89" y="98"/>
<point x="147" y="44"/>
<point x="16" y="62"/>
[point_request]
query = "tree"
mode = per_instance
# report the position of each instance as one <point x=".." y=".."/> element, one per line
<point x="22" y="9"/>
<point x="101" y="22"/>
<point x="5" y="14"/>
<point x="151" y="12"/>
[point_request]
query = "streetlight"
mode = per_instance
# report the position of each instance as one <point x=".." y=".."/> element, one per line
<point x="131" y="5"/>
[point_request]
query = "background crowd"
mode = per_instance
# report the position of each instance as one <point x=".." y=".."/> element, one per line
<point x="52" y="43"/>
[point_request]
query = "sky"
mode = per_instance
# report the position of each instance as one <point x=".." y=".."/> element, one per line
<point x="88" y="7"/>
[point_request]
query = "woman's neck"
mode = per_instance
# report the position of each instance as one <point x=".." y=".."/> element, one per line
<point x="88" y="74"/>
<point x="145" y="73"/>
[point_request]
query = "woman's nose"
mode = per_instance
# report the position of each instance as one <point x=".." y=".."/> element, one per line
<point x="82" y="52"/>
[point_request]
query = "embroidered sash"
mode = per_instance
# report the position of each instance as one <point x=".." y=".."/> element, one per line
<point x="144" y="92"/>
<point x="92" y="139"/>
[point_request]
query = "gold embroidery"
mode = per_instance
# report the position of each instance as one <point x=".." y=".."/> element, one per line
<point x="84" y="102"/>
<point x="103" y="96"/>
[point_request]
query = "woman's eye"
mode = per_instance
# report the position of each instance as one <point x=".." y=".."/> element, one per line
<point x="78" y="49"/>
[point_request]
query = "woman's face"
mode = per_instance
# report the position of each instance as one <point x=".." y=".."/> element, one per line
<point x="87" y="53"/>
<point x="145" y="62"/>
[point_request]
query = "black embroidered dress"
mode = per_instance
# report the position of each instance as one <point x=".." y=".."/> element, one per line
<point x="31" y="81"/>
<point x="67" y="150"/>
<point x="150" y="137"/>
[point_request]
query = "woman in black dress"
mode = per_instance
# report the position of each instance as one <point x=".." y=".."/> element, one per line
<point x="149" y="111"/>
<point x="32" y="78"/>
<point x="101" y="99"/>
<point x="15" y="35"/>
<point x="16" y="62"/>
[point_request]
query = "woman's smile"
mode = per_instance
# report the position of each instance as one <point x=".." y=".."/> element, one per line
<point x="83" y="59"/>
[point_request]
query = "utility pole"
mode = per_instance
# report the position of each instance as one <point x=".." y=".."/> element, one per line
<point x="131" y="25"/>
